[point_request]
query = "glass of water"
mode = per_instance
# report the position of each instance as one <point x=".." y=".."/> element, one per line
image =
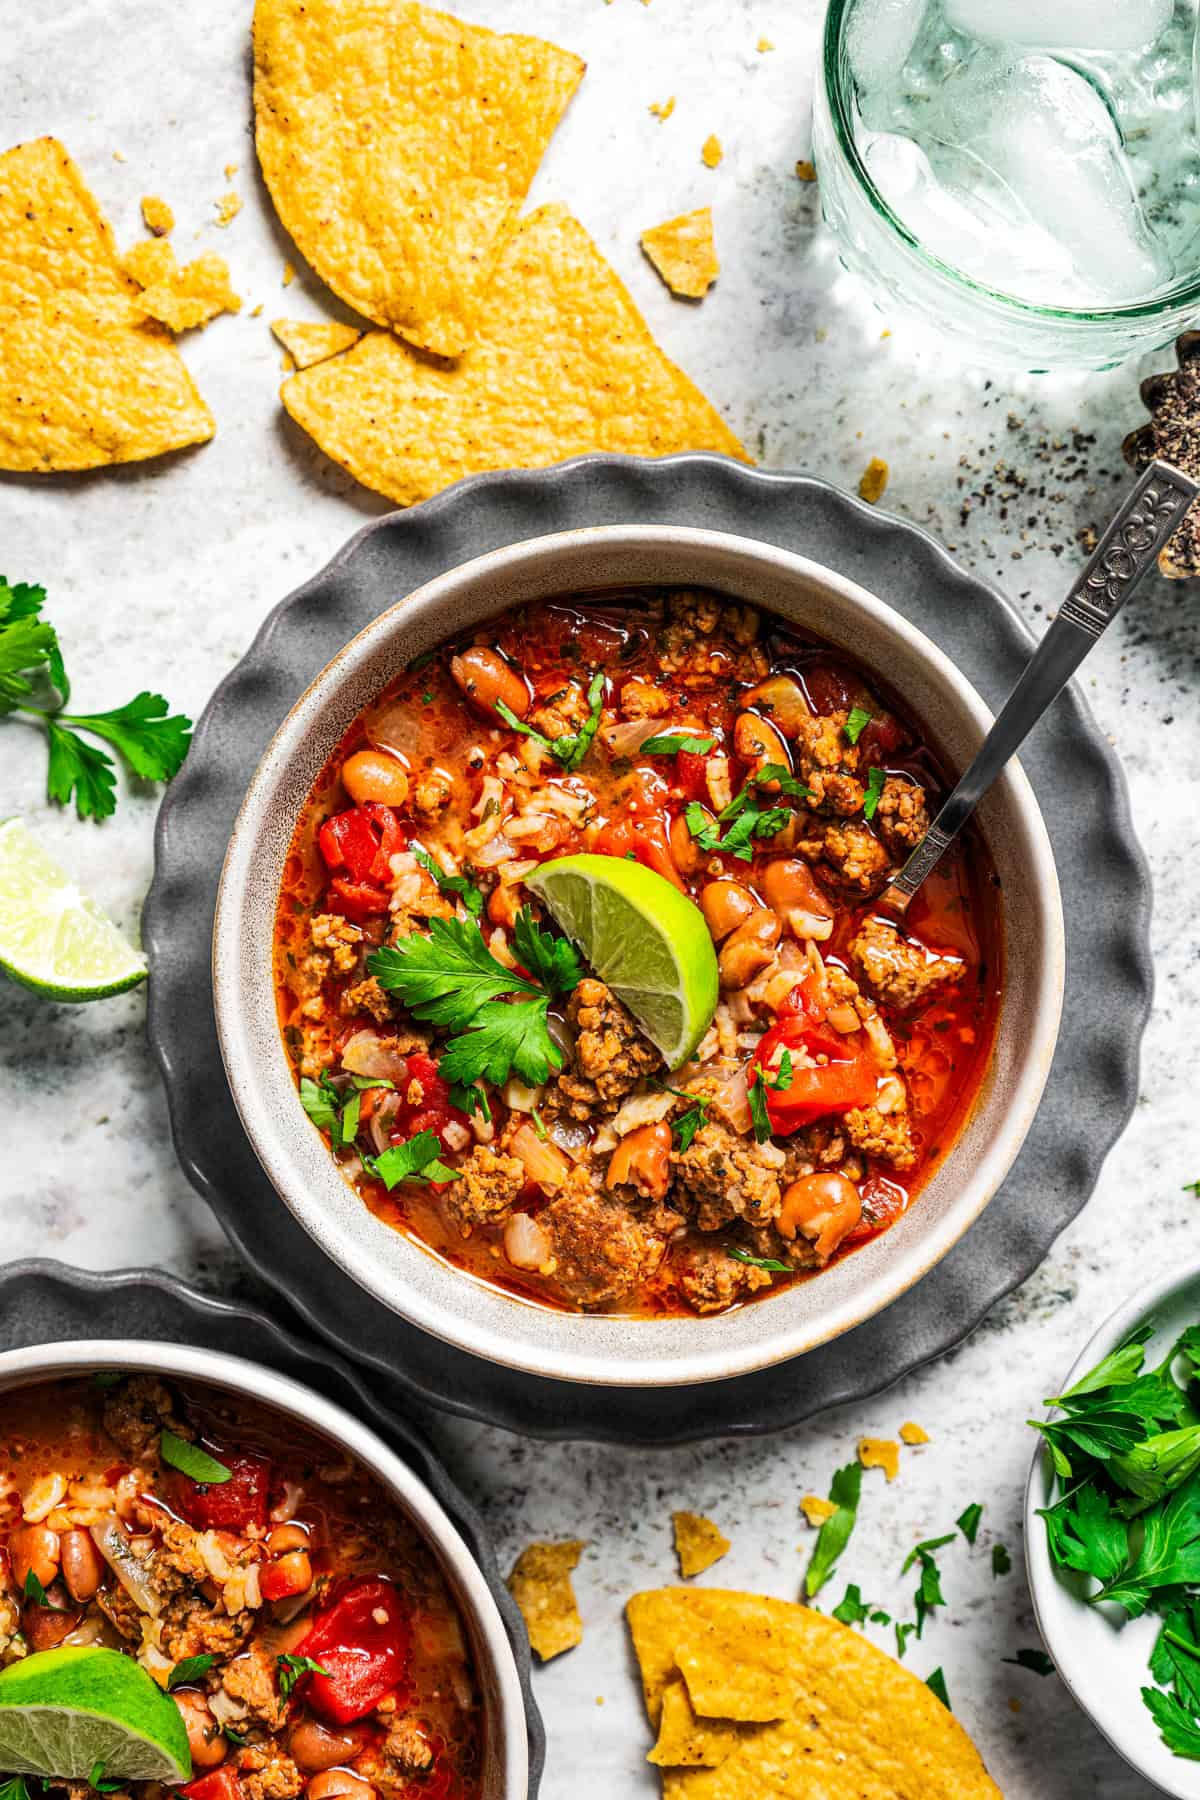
<point x="1023" y="173"/>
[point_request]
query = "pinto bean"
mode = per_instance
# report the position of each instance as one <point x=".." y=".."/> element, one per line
<point x="34" y="1549"/>
<point x="783" y="702"/>
<point x="686" y="853"/>
<point x="485" y="677"/>
<point x="791" y="888"/>
<point x="374" y="775"/>
<point x="314" y="1748"/>
<point x="206" y="1740"/>
<point x="758" y="743"/>
<point x="822" y="1208"/>
<point x="339" y="1784"/>
<point x="726" y="905"/>
<point x="45" y="1627"/>
<point x="749" y="949"/>
<point x="287" y="1537"/>
<point x="643" y="1157"/>
<point x="81" y="1565"/>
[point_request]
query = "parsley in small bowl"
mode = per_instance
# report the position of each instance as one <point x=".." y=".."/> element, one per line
<point x="1112" y="1531"/>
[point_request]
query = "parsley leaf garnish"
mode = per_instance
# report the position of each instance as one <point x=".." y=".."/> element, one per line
<point x="757" y="1094"/>
<point x="97" y="1782"/>
<point x="968" y="1520"/>
<point x="854" y="1610"/>
<point x="471" y="1099"/>
<point x="503" y="1037"/>
<point x="458" y="885"/>
<point x="33" y="1590"/>
<point x="417" y="1160"/>
<point x="191" y="1460"/>
<point x="903" y="1633"/>
<point x="1001" y="1561"/>
<point x="689" y="1123"/>
<point x="1180" y="1732"/>
<point x="936" y="1683"/>
<point x="1036" y="1660"/>
<point x="669" y="743"/>
<point x="573" y="746"/>
<point x="834" y="1535"/>
<point x="929" y="1586"/>
<point x="875" y="784"/>
<point x="292" y="1669"/>
<point x="856" y="723"/>
<point x="759" y="1262"/>
<point x="1192" y="1187"/>
<point x="190" y="1669"/>
<point x="334" y="1110"/>
<point x="551" y="960"/>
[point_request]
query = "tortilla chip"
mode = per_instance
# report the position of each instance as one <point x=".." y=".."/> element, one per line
<point x="228" y="207"/>
<point x="157" y="214"/>
<point x="540" y="1583"/>
<point x="816" y="1509"/>
<point x="398" y="144"/>
<point x="913" y="1434"/>
<point x="180" y="297"/>
<point x="859" y="1727"/>
<point x="662" y="109"/>
<point x="763" y="45"/>
<point x="684" y="1740"/>
<point x="712" y="151"/>
<point x="698" y="1543"/>
<point x="873" y="480"/>
<point x="683" y="252"/>
<point x="806" y="170"/>
<point x="880" y="1453"/>
<point x="85" y="378"/>
<point x="566" y="365"/>
<point x="311" y="342"/>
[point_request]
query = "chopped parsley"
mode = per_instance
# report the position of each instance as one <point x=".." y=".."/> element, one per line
<point x="1036" y="1660"/>
<point x="457" y="885"/>
<point x="745" y="819"/>
<point x="33" y="1590"/>
<point x="417" y="1160"/>
<point x="573" y="746"/>
<point x="759" y="1262"/>
<point x="335" y="1110"/>
<point x="936" y="1683"/>
<point x="757" y="1093"/>
<point x="539" y="1124"/>
<point x="190" y="1669"/>
<point x="33" y="681"/>
<point x="857" y="722"/>
<point x="968" y="1520"/>
<point x="670" y="743"/>
<point x="834" y="1535"/>
<point x="929" y="1585"/>
<point x="549" y="959"/>
<point x="1192" y="1187"/>
<point x="688" y="1123"/>
<point x="292" y="1669"/>
<point x="191" y="1460"/>
<point x="854" y="1610"/>
<point x="1001" y="1561"/>
<point x="875" y="785"/>
<point x="903" y="1633"/>
<point x="471" y="1099"/>
<point x="97" y="1782"/>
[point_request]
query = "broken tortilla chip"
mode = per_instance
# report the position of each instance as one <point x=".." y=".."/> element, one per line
<point x="873" y="480"/>
<point x="686" y="1741"/>
<point x="712" y="151"/>
<point x="816" y="1509"/>
<point x="310" y="341"/>
<point x="180" y="297"/>
<point x="228" y="207"/>
<point x="566" y="365"/>
<point x="540" y="1583"/>
<point x="85" y="378"/>
<point x="880" y="1453"/>
<point x="683" y="252"/>
<point x="157" y="215"/>
<point x="913" y="1434"/>
<point x="398" y="144"/>
<point x="698" y="1543"/>
<point x="857" y="1726"/>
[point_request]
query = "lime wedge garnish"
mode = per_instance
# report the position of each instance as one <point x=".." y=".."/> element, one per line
<point x="643" y="938"/>
<point x="62" y="1712"/>
<point x="53" y="937"/>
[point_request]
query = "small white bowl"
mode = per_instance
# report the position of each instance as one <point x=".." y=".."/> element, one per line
<point x="505" y="1742"/>
<point x="1102" y="1660"/>
<point x="615" y="1351"/>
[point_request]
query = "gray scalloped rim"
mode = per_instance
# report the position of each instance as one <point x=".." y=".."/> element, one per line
<point x="43" y="1302"/>
<point x="1079" y="784"/>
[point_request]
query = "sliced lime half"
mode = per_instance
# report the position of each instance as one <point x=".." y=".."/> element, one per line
<point x="62" y="1712"/>
<point x="643" y="938"/>
<point x="53" y="937"/>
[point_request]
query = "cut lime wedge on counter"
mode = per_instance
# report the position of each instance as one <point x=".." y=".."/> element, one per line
<point x="643" y="938"/>
<point x="64" y="1711"/>
<point x="53" y="937"/>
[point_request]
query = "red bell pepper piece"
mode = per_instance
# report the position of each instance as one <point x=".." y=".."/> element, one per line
<point x="846" y="1080"/>
<point x="362" y="840"/>
<point x="692" y="770"/>
<point x="231" y="1505"/>
<point x="363" y="1640"/>
<point x="357" y="900"/>
<point x="218" y="1784"/>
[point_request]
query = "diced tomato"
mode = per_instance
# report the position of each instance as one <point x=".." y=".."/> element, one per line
<point x="647" y="839"/>
<point x="434" y="1091"/>
<point x="692" y="770"/>
<point x="827" y="688"/>
<point x="225" y="1505"/>
<point x="804" y="1000"/>
<point x="279" y="1583"/>
<point x="362" y="840"/>
<point x="882" y="1201"/>
<point x="847" y="1079"/>
<point x="218" y="1784"/>
<point x="363" y="1640"/>
<point x="357" y="900"/>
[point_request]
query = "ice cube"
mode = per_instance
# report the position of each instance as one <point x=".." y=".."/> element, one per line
<point x="1047" y="135"/>
<point x="879" y="37"/>
<point x="1099" y="25"/>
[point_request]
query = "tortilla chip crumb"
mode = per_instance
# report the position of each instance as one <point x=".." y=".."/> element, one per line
<point x="683" y="252"/>
<point x="712" y="151"/>
<point x="256" y="313"/>
<point x="873" y="480"/>
<point x="119" y="156"/>
<point x="805" y="170"/>
<point x="698" y="1543"/>
<point x="287" y="363"/>
<point x="289" y="275"/>
<point x="230" y="171"/>
<point x="180" y="297"/>
<point x="816" y="1509"/>
<point x="157" y="215"/>
<point x="311" y="341"/>
<point x="880" y="1453"/>
<point x="228" y="207"/>
<point x="764" y="44"/>
<point x="662" y="109"/>
<point x="540" y="1583"/>
<point x="913" y="1434"/>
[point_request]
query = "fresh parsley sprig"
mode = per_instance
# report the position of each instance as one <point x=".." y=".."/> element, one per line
<point x="670" y="743"/>
<point x="573" y="746"/>
<point x="151" y="741"/>
<point x="456" y="885"/>
<point x="549" y="959"/>
<point x="686" y="1124"/>
<point x="856" y="723"/>
<point x="417" y="1160"/>
<point x="336" y="1111"/>
<point x="844" y="1491"/>
<point x="875" y="785"/>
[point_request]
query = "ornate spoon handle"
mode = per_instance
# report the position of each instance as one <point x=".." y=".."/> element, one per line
<point x="1151" y="511"/>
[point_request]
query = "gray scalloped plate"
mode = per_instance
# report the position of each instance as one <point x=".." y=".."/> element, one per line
<point x="1079" y="785"/>
<point x="43" y="1302"/>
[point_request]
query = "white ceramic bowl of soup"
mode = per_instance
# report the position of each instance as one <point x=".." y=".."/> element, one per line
<point x="612" y="1349"/>
<point x="505" y="1741"/>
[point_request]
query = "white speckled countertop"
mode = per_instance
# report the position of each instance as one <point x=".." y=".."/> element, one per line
<point x="160" y="574"/>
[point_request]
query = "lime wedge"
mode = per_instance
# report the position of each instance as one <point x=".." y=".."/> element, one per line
<point x="64" y="1711"/>
<point x="53" y="938"/>
<point x="643" y="938"/>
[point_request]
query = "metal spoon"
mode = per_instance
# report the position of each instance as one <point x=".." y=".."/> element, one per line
<point x="1152" y="509"/>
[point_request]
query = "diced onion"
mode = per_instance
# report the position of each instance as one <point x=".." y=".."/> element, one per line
<point x="117" y="1552"/>
<point x="572" y="1136"/>
<point x="519" y="1098"/>
<point x="544" y="1161"/>
<point x="525" y="1242"/>
<point x="456" y="1136"/>
<point x="731" y="1100"/>
<point x="366" y="1053"/>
